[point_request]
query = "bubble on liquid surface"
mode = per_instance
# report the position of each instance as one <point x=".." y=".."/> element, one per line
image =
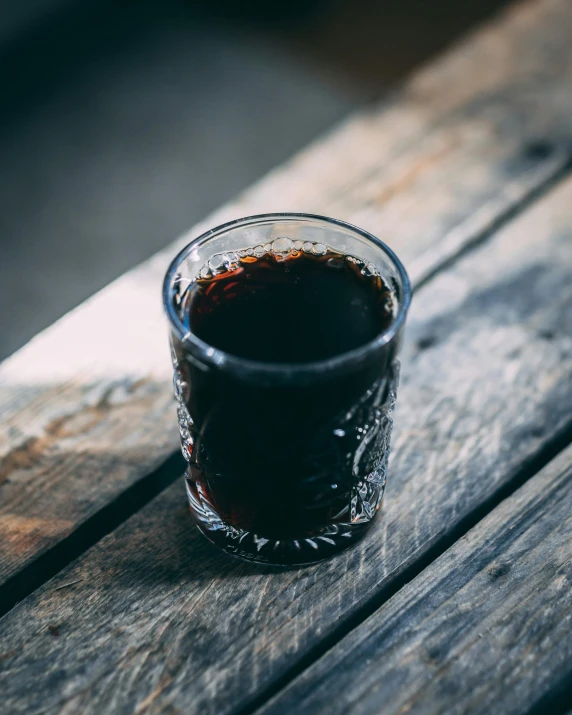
<point x="230" y="261"/>
<point x="369" y="270"/>
<point x="216" y="263"/>
<point x="282" y="245"/>
<point x="335" y="263"/>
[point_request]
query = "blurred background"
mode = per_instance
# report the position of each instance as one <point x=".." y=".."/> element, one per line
<point x="123" y="123"/>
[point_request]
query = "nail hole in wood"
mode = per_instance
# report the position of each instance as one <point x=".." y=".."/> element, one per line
<point x="426" y="342"/>
<point x="538" y="150"/>
<point x="499" y="571"/>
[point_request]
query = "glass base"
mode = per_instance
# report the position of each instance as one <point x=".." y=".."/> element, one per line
<point x="320" y="544"/>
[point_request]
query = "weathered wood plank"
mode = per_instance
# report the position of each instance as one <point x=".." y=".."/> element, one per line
<point x="486" y="628"/>
<point x="86" y="405"/>
<point x="158" y="621"/>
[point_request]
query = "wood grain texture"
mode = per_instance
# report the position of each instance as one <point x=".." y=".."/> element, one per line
<point x="155" y="620"/>
<point x="487" y="628"/>
<point x="86" y="406"/>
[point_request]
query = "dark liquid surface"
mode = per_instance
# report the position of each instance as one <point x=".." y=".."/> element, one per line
<point x="285" y="462"/>
<point x="299" y="308"/>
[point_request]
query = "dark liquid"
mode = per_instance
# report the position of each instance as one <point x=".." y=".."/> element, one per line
<point x="289" y="310"/>
<point x="286" y="462"/>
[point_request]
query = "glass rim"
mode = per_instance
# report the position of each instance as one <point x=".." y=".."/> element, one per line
<point x="210" y="355"/>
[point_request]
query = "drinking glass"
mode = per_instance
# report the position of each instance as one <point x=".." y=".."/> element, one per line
<point x="286" y="462"/>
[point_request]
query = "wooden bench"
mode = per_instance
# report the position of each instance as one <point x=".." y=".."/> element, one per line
<point x="459" y="600"/>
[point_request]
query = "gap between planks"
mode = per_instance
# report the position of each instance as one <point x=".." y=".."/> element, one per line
<point x="556" y="702"/>
<point x="87" y="534"/>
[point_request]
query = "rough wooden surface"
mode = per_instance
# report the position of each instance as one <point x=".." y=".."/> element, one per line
<point x="152" y="619"/>
<point x="86" y="405"/>
<point x="487" y="628"/>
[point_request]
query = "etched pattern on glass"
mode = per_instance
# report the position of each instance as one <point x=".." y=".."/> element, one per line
<point x="366" y="430"/>
<point x="181" y="389"/>
<point x="364" y="435"/>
